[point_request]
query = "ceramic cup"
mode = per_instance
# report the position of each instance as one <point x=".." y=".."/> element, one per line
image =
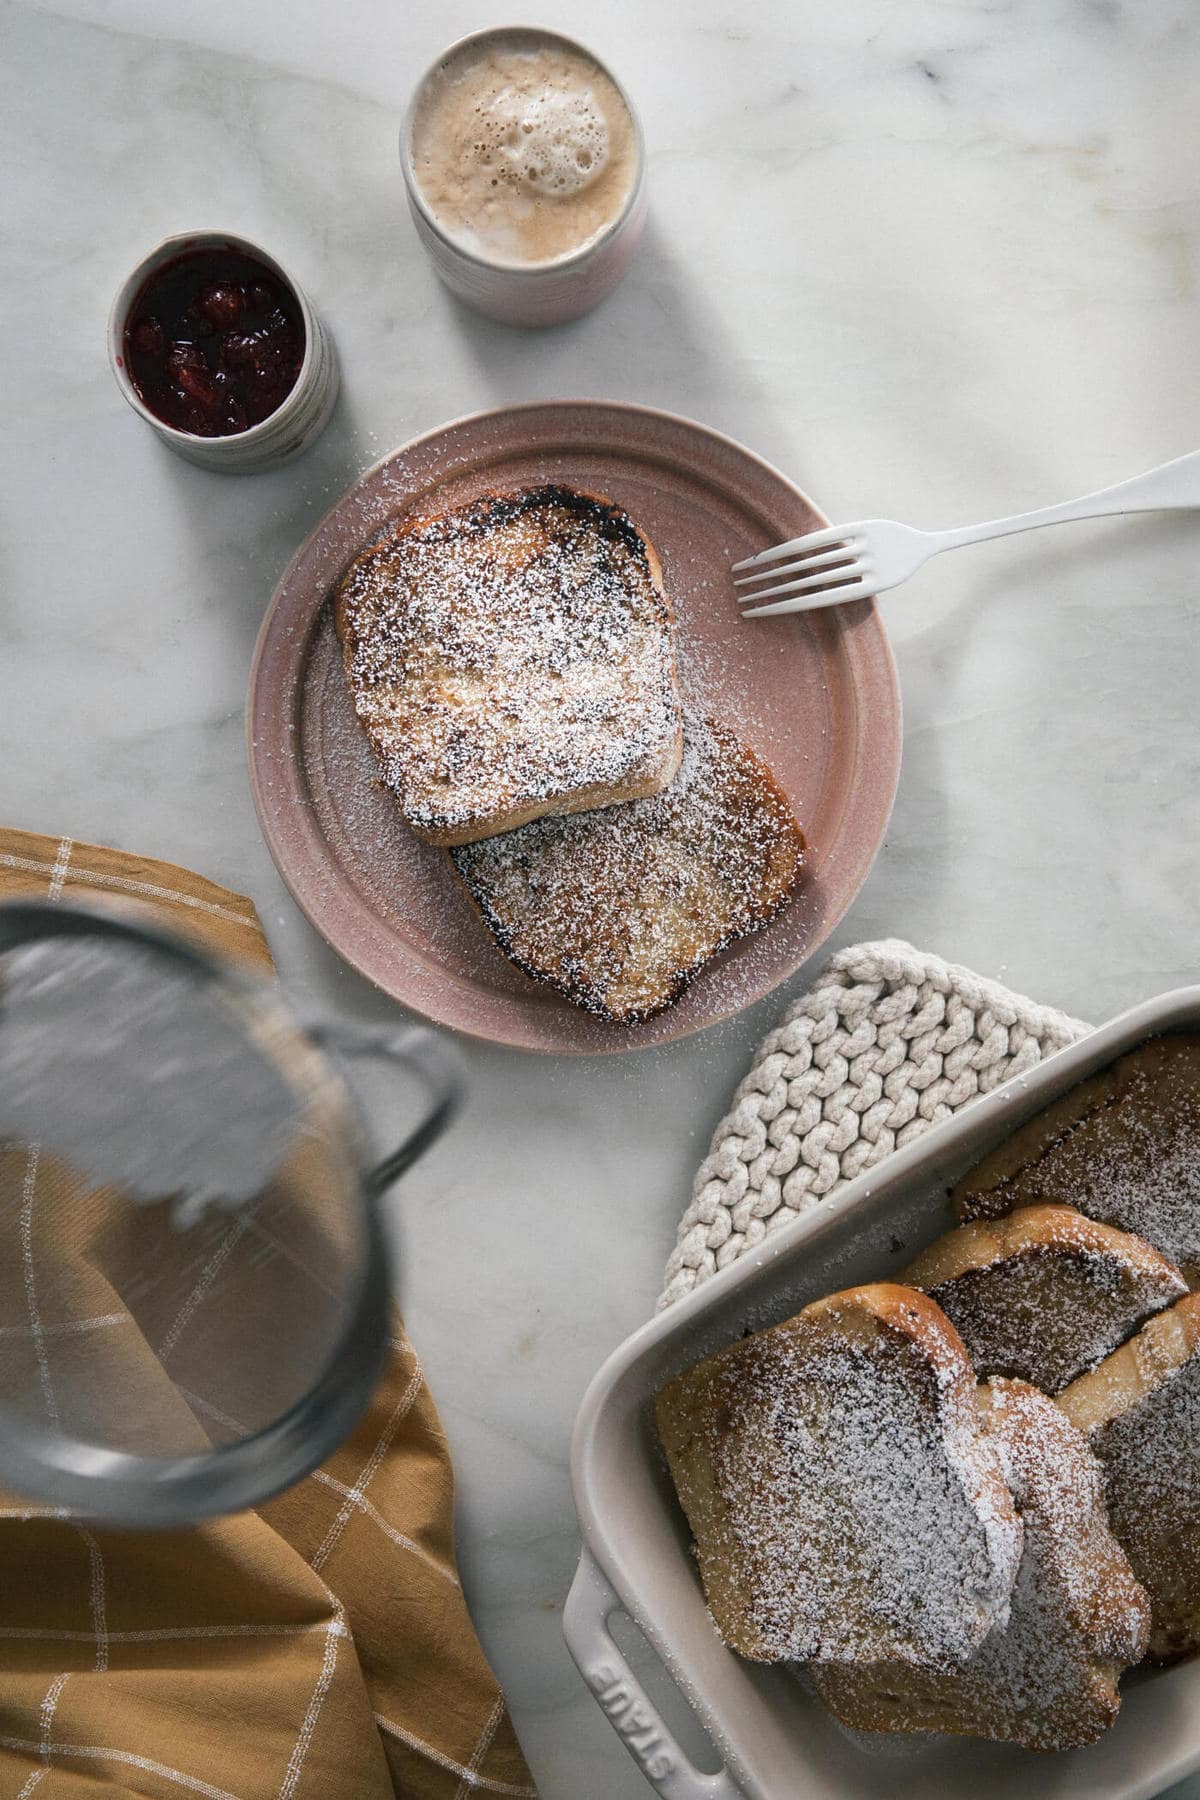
<point x="529" y="294"/>
<point x="296" y="423"/>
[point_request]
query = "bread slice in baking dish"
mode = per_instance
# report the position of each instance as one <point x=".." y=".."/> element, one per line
<point x="1048" y="1678"/>
<point x="620" y="909"/>
<point x="1122" y="1147"/>
<point x="511" y="658"/>
<point x="845" y="1500"/>
<point x="1044" y="1293"/>
<point x="1141" y="1411"/>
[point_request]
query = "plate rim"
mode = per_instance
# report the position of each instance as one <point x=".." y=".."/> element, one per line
<point x="619" y="1044"/>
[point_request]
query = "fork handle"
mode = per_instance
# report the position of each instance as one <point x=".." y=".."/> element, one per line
<point x="1173" y="486"/>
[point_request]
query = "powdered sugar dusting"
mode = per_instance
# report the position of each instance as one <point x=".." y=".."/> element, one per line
<point x="1048" y="1678"/>
<point x="509" y="656"/>
<point x="618" y="908"/>
<point x="1049" y="1314"/>
<point x="1151" y="1456"/>
<point x="1133" y="1159"/>
<point x="862" y="1515"/>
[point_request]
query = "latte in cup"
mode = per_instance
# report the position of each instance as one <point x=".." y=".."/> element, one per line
<point x="523" y="148"/>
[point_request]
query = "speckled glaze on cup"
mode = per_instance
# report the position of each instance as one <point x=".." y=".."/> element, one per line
<point x="297" y="421"/>
<point x="538" y="293"/>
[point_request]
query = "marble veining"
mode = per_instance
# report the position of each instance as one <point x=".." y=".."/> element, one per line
<point x="938" y="261"/>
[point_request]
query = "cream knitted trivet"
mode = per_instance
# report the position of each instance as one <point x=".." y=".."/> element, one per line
<point x="889" y="1042"/>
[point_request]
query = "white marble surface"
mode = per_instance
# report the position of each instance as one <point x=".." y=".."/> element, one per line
<point x="937" y="260"/>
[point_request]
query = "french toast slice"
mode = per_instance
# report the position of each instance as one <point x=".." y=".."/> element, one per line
<point x="1045" y="1293"/>
<point x="512" y="658"/>
<point x="1122" y="1147"/>
<point x="845" y="1501"/>
<point x="1141" y="1411"/>
<point x="1047" y="1679"/>
<point x="620" y="909"/>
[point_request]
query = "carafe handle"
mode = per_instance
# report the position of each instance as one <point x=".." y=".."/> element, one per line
<point x="433" y="1061"/>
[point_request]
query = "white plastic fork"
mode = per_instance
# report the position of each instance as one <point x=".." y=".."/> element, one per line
<point x="850" y="562"/>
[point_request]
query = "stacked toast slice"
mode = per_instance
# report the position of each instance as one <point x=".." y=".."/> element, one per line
<point x="1141" y="1411"/>
<point x="838" y="1471"/>
<point x="1044" y="1293"/>
<point x="937" y="1555"/>
<point x="1122" y="1147"/>
<point x="620" y="909"/>
<point x="1047" y="1678"/>
<point x="512" y="662"/>
<point x="511" y="658"/>
<point x="845" y="1501"/>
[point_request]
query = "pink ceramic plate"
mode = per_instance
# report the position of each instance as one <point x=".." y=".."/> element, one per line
<point x="815" y="694"/>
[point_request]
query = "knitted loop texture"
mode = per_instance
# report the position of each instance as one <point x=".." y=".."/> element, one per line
<point x="890" y="1042"/>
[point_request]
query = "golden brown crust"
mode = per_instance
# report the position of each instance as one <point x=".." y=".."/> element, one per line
<point x="896" y="1307"/>
<point x="1048" y="1679"/>
<point x="512" y="658"/>
<point x="1141" y="1411"/>
<point x="981" y="1244"/>
<point x="1127" y="1377"/>
<point x="619" y="910"/>
<point x="817" y="1460"/>
<point x="1044" y="1293"/>
<point x="1122" y="1147"/>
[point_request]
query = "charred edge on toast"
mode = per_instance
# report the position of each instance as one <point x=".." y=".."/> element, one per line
<point x="572" y="982"/>
<point x="487" y="512"/>
<point x="491" y="510"/>
<point x="616" y="549"/>
<point x="584" y="994"/>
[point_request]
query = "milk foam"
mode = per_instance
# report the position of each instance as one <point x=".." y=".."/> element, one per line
<point x="523" y="148"/>
<point x="544" y="139"/>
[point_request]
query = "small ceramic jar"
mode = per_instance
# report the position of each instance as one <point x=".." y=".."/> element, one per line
<point x="545" y="293"/>
<point x="301" y="415"/>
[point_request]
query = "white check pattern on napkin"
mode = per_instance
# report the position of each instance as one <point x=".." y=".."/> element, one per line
<point x="889" y="1042"/>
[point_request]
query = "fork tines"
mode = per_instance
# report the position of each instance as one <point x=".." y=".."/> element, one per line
<point x="824" y="568"/>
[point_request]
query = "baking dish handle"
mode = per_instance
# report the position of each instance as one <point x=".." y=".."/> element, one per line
<point x="633" y="1716"/>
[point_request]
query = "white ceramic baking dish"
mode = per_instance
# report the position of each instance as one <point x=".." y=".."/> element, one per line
<point x="774" y="1740"/>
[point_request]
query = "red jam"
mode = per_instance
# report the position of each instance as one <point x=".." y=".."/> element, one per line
<point x="214" y="342"/>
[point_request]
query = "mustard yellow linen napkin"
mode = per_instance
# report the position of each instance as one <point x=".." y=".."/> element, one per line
<point x="318" y="1649"/>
